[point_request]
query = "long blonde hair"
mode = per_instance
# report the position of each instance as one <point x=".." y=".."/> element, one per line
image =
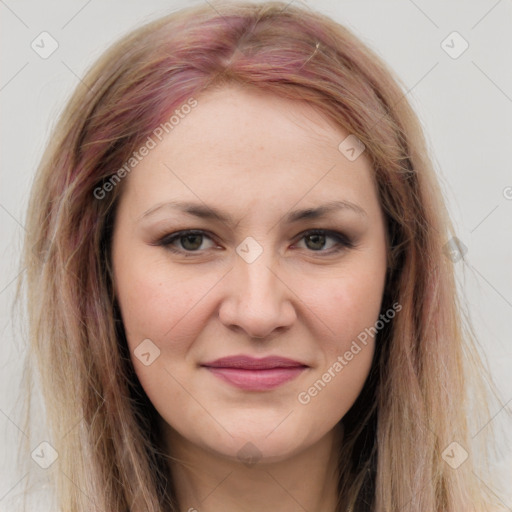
<point x="426" y="367"/>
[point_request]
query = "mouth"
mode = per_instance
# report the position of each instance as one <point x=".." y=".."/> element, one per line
<point x="253" y="374"/>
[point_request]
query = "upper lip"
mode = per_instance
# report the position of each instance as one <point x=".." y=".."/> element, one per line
<point x="244" y="362"/>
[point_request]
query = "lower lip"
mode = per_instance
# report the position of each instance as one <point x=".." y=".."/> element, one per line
<point x="257" y="380"/>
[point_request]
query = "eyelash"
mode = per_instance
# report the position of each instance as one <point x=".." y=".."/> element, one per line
<point x="342" y="241"/>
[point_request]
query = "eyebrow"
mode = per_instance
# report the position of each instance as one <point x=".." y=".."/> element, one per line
<point x="209" y="212"/>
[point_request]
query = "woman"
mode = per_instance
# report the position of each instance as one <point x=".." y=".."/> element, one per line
<point x="241" y="295"/>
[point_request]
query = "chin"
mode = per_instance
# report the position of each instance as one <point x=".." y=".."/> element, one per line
<point x="257" y="451"/>
<point x="262" y="443"/>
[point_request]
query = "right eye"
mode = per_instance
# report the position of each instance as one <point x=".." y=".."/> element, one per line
<point x="190" y="240"/>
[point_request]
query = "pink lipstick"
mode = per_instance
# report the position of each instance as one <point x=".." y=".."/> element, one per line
<point x="254" y="374"/>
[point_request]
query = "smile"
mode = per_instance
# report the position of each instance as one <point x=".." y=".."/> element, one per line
<point x="253" y="374"/>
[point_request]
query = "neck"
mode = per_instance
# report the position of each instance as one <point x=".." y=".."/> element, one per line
<point x="208" y="482"/>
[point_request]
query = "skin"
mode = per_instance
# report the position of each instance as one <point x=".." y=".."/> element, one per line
<point x="256" y="157"/>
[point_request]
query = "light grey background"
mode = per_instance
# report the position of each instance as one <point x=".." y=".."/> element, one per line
<point x="464" y="103"/>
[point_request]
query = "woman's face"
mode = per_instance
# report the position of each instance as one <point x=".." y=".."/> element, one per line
<point x="254" y="175"/>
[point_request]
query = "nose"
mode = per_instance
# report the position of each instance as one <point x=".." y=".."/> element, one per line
<point x="258" y="300"/>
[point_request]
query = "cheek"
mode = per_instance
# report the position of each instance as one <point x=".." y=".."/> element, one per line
<point x="351" y="312"/>
<point x="348" y="306"/>
<point x="350" y="303"/>
<point x="145" y="301"/>
<point x="168" y="306"/>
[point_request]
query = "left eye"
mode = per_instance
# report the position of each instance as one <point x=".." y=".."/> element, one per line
<point x="315" y="240"/>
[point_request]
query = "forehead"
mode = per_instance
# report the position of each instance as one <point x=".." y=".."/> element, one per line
<point x="252" y="145"/>
<point x="247" y="120"/>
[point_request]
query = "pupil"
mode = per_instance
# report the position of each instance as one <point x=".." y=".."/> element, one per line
<point x="187" y="238"/>
<point x="318" y="240"/>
